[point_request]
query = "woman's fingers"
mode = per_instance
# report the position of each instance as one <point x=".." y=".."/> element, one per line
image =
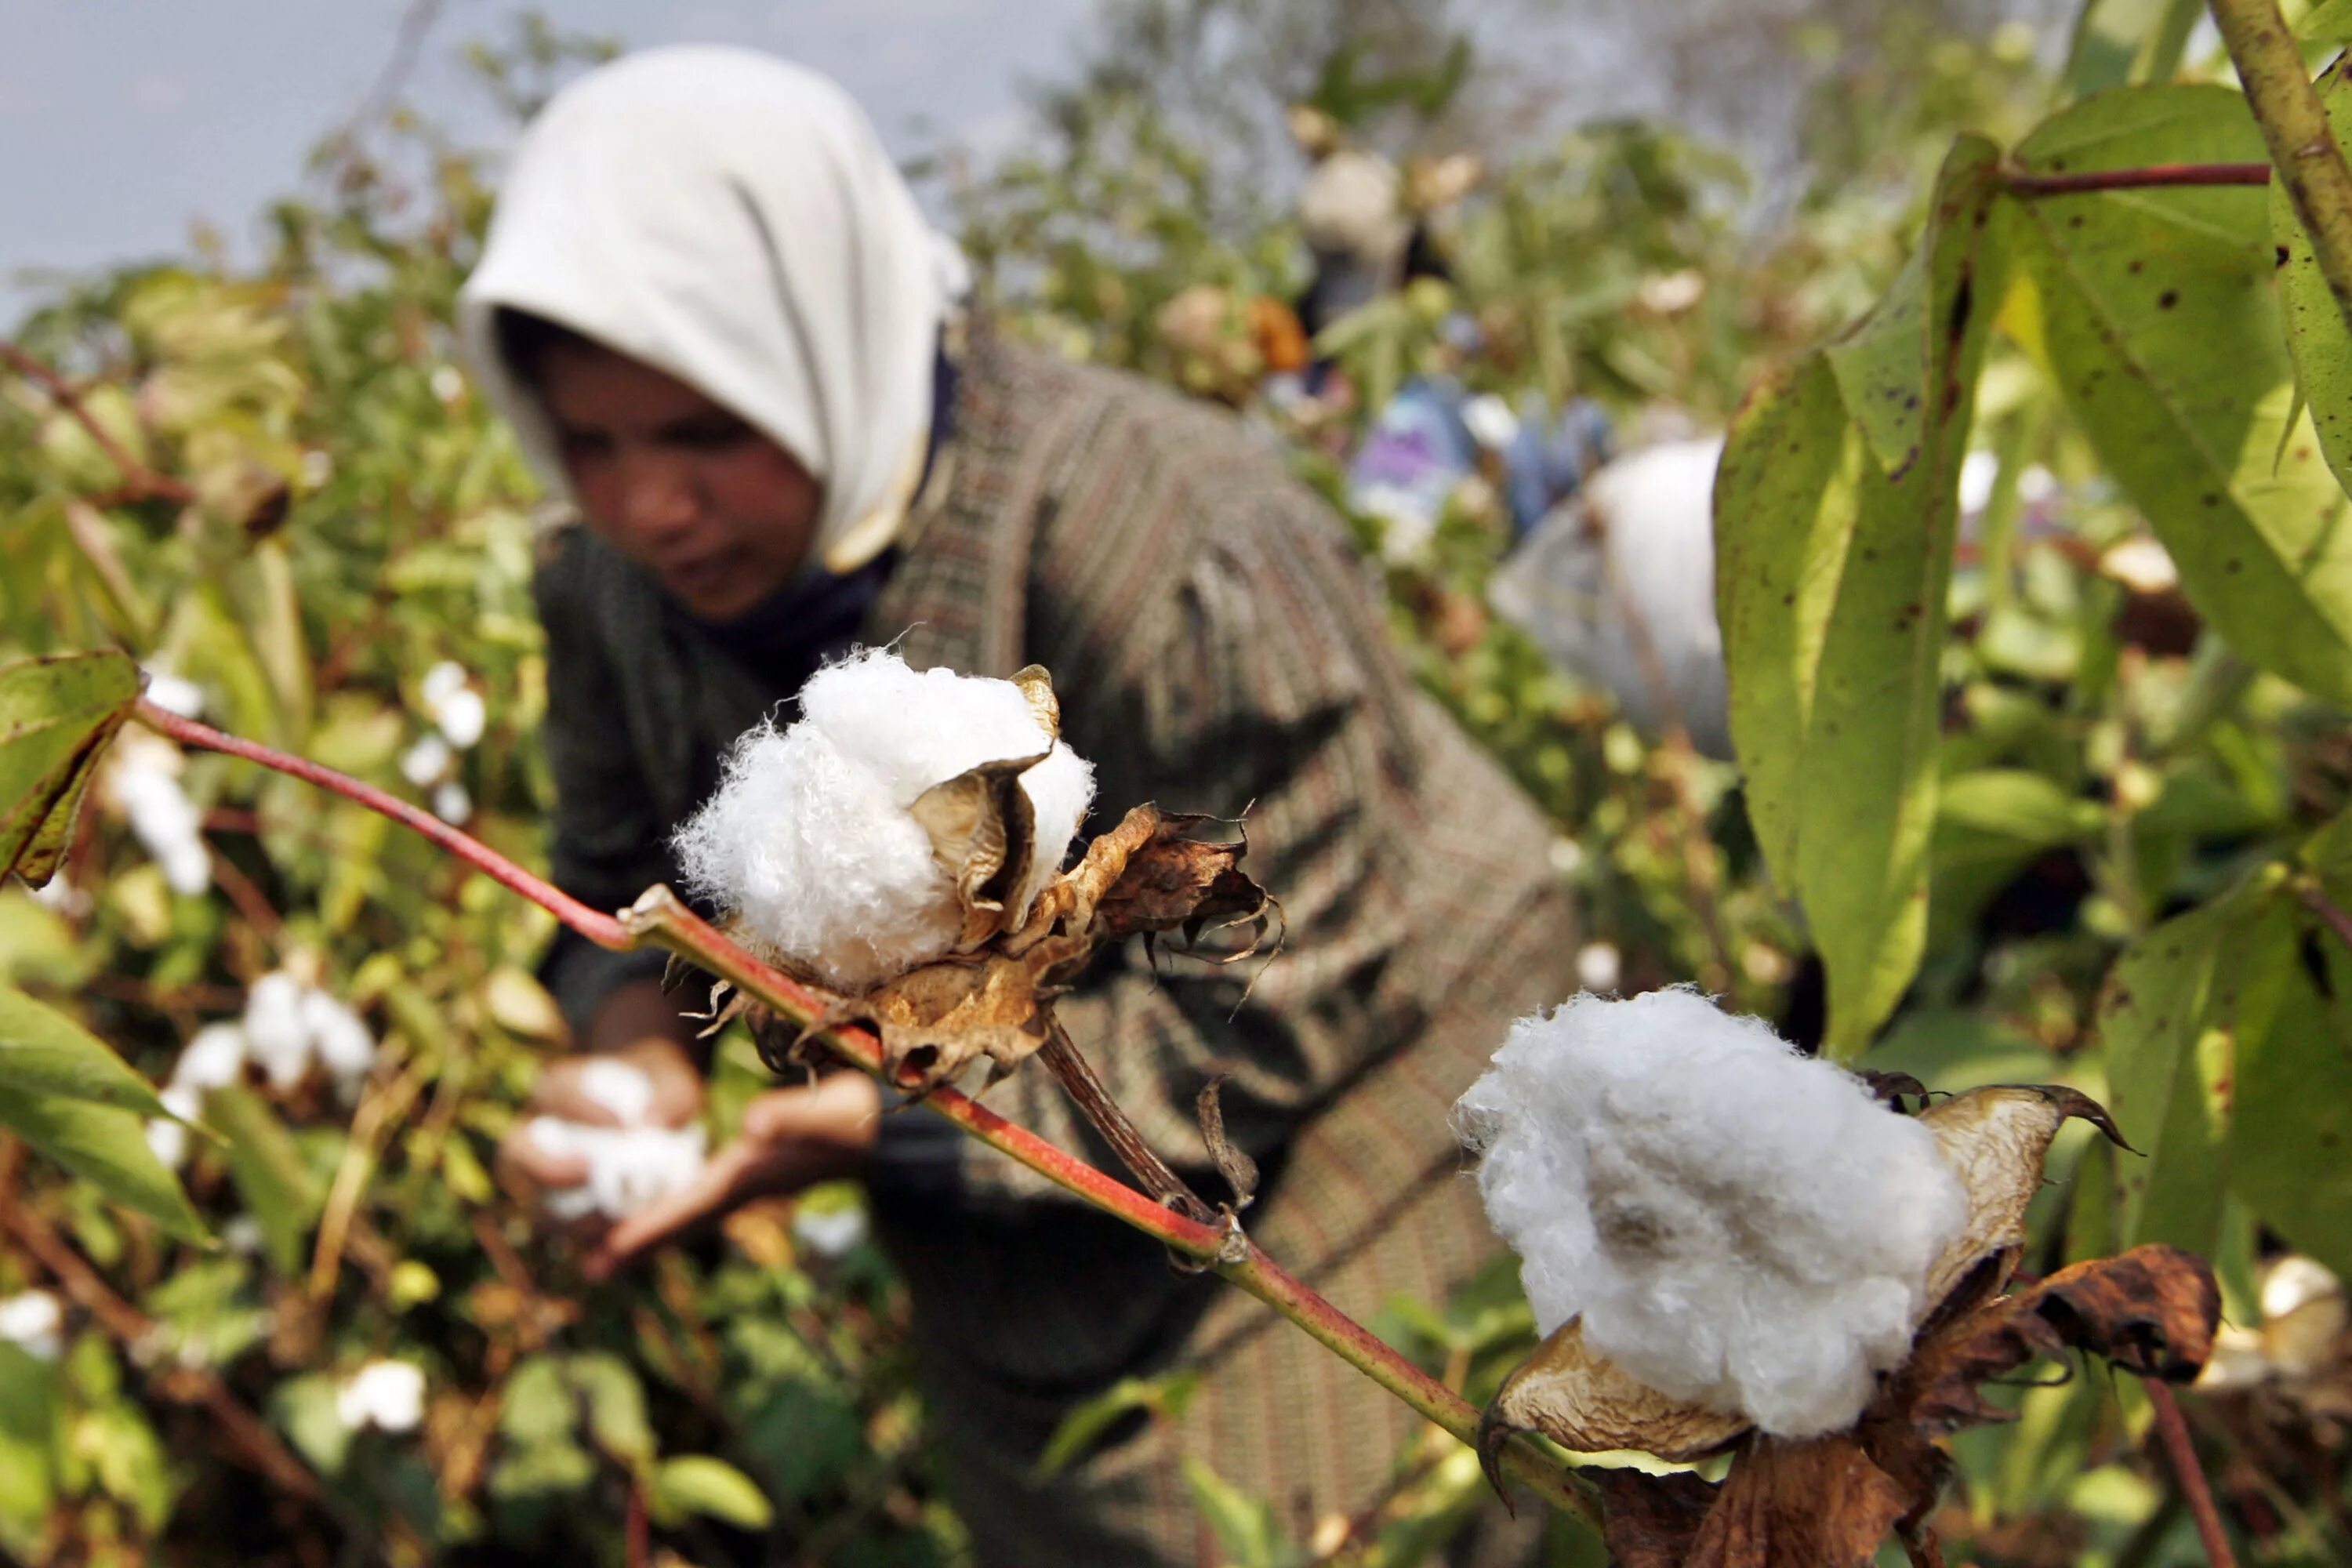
<point x="527" y="1168"/>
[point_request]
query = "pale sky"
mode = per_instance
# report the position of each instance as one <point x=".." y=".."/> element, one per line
<point x="123" y="120"/>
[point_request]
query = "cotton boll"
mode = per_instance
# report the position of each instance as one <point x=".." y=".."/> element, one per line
<point x="828" y="1233"/>
<point x="808" y="840"/>
<point x="168" y="1140"/>
<point x="277" y="1037"/>
<point x="462" y="716"/>
<point x="1736" y="1224"/>
<point x="214" y="1058"/>
<point x="339" y="1037"/>
<point x="166" y="824"/>
<point x="174" y="694"/>
<point x="628" y="1167"/>
<point x="385" y="1394"/>
<point x="451" y="802"/>
<point x="622" y="1088"/>
<point x="440" y="682"/>
<point x="427" y="761"/>
<point x="33" y="1322"/>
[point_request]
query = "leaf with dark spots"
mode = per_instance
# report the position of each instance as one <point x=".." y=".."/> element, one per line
<point x="56" y="715"/>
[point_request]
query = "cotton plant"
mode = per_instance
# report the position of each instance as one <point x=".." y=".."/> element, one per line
<point x="631" y="1164"/>
<point x="291" y="1027"/>
<point x="1729" y="1246"/>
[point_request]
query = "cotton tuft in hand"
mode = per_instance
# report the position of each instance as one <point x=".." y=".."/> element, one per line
<point x="629" y="1166"/>
<point x="810" y="843"/>
<point x="1736" y="1225"/>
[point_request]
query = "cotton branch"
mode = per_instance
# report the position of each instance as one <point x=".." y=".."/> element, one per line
<point x="141" y="481"/>
<point x="2181" y="1452"/>
<point x="2294" y="125"/>
<point x="2148" y="176"/>
<point x="661" y="919"/>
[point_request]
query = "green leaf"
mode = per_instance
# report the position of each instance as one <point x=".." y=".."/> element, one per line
<point x="1244" y="1526"/>
<point x="2154" y="311"/>
<point x="698" y="1483"/>
<point x="2173" y="1011"/>
<point x="270" y="1173"/>
<point x="2328" y="22"/>
<point x="2316" y="336"/>
<point x="56" y="715"/>
<point x="1830" y="578"/>
<point x="2292" y="1123"/>
<point x="43" y="1052"/>
<point x="106" y="1146"/>
<point x="616" y="1405"/>
<point x="1165" y="1396"/>
<point x="30" y="1420"/>
<point x="2121" y="42"/>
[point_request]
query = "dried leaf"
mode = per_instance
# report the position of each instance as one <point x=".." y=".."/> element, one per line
<point x="1172" y="883"/>
<point x="1234" y="1164"/>
<point x="1587" y="1403"/>
<point x="984" y="835"/>
<point x="1036" y="684"/>
<point x="1819" y="1503"/>
<point x="1994" y="1140"/>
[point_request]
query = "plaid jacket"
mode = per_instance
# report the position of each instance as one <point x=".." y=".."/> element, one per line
<point x="1217" y="646"/>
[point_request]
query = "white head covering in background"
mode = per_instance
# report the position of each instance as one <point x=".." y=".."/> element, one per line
<point x="730" y="219"/>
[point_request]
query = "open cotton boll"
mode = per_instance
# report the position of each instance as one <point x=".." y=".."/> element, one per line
<point x="214" y="1058"/>
<point x="386" y="1394"/>
<point x="337" y="1036"/>
<point x="451" y="802"/>
<point x="462" y="717"/>
<point x="174" y="694"/>
<point x="622" y="1088"/>
<point x="628" y="1167"/>
<point x="34" y="1322"/>
<point x="168" y="1140"/>
<point x="427" y="761"/>
<point x="1736" y="1225"/>
<point x="276" y="1035"/>
<point x="441" y="682"/>
<point x="166" y="824"/>
<point x="809" y="843"/>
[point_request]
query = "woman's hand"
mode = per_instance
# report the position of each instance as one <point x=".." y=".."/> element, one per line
<point x="792" y="1137"/>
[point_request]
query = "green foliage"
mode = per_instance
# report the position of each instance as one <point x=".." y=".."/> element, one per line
<point x="56" y="717"/>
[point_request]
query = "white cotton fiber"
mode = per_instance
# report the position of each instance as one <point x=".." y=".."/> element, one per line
<point x="808" y="840"/>
<point x="277" y="1037"/>
<point x="214" y="1058"/>
<point x="628" y="1167"/>
<point x="1736" y="1225"/>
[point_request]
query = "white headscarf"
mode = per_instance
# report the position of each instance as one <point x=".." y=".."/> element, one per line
<point x="730" y="219"/>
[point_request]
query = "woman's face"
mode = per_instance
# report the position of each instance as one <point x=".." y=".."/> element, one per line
<point x="686" y="487"/>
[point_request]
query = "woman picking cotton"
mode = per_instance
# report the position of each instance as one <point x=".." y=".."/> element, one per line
<point x="722" y="329"/>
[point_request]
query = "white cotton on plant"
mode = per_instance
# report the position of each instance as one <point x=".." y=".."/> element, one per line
<point x="809" y="842"/>
<point x="630" y="1165"/>
<point x="174" y="694"/>
<point x="451" y="802"/>
<point x="214" y="1058"/>
<point x="386" y="1394"/>
<point x="292" y="1025"/>
<point x="453" y="704"/>
<point x="1736" y="1224"/>
<point x="34" y="1322"/>
<point x="145" y="783"/>
<point x="427" y="761"/>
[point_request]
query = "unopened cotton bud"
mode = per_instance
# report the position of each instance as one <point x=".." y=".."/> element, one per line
<point x="214" y="1058"/>
<point x="809" y="841"/>
<point x="427" y="761"/>
<point x="33" y="1322"/>
<point x="385" y="1394"/>
<point x="276" y="1035"/>
<point x="1736" y="1225"/>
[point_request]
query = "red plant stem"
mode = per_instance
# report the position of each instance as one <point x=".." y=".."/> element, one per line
<point x="661" y="918"/>
<point x="2143" y="178"/>
<point x="2173" y="1427"/>
<point x="597" y="927"/>
<point x="141" y="480"/>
